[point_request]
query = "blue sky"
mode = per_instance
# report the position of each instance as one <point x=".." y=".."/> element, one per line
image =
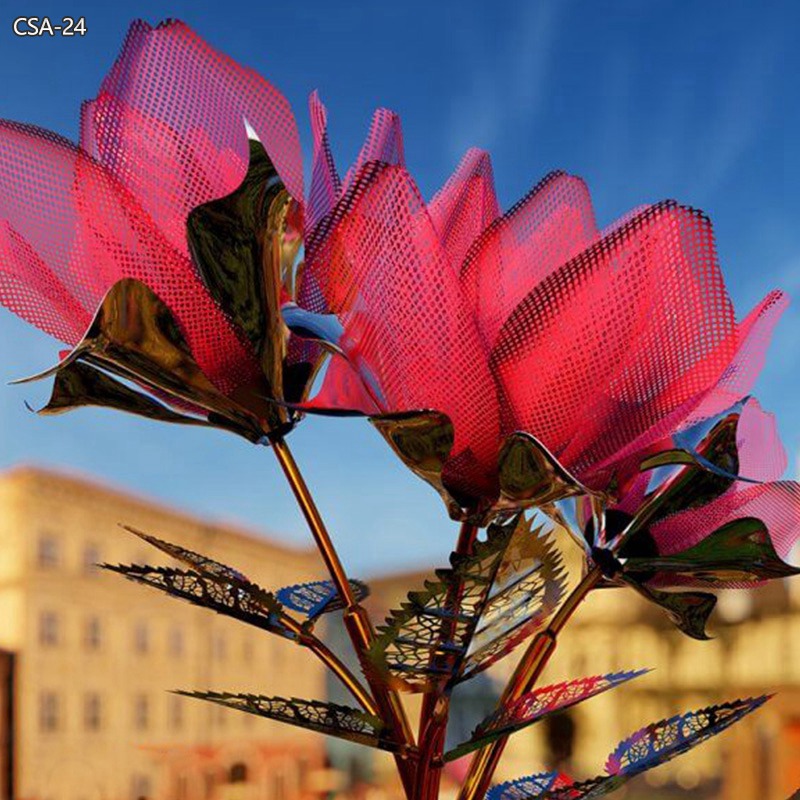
<point x="696" y="101"/>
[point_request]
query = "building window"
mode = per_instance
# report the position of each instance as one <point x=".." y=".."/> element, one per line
<point x="175" y="712"/>
<point x="93" y="633"/>
<point x="141" y="712"/>
<point x="47" y="552"/>
<point x="49" y="633"/>
<point x="141" y="638"/>
<point x="141" y="788"/>
<point x="49" y="712"/>
<point x="175" y="642"/>
<point x="91" y="558"/>
<point x="92" y="712"/>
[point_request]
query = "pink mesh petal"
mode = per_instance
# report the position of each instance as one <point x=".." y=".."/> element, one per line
<point x="384" y="143"/>
<point x="28" y="287"/>
<point x="90" y="232"/>
<point x="754" y="335"/>
<point x="169" y="172"/>
<point x="619" y="338"/>
<point x="762" y="456"/>
<point x="169" y="123"/>
<point x="342" y="390"/>
<point x="325" y="184"/>
<point x="752" y="338"/>
<point x="389" y="280"/>
<point x="544" y="230"/>
<point x="777" y="504"/>
<point x="465" y="205"/>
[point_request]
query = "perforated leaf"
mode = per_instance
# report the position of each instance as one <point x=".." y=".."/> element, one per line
<point x="656" y="744"/>
<point x="527" y="787"/>
<point x="536" y="705"/>
<point x="229" y="596"/>
<point x="484" y="605"/>
<point x="331" y="719"/>
<point x="318" y="597"/>
<point x="649" y="747"/>
<point x="664" y="740"/>
<point x="203" y="564"/>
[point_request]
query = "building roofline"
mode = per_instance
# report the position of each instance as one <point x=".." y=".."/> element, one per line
<point x="29" y="472"/>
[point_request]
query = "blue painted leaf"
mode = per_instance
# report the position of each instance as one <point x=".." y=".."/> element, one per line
<point x="317" y="597"/>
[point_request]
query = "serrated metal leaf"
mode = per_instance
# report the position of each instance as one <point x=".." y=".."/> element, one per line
<point x="528" y="787"/>
<point x="536" y="705"/>
<point x="662" y="741"/>
<point x="231" y="597"/>
<point x="649" y="747"/>
<point x="203" y="564"/>
<point x="318" y="597"/>
<point x="330" y="719"/>
<point x="488" y="602"/>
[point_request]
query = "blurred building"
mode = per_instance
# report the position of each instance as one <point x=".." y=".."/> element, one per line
<point x="756" y="650"/>
<point x="87" y="658"/>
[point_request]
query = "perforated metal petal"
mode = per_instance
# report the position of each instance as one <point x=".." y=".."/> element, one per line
<point x="622" y="335"/>
<point x="384" y="272"/>
<point x="91" y="232"/>
<point x="466" y="205"/>
<point x="550" y="225"/>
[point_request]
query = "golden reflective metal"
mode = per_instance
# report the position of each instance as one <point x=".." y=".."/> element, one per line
<point x="135" y="336"/>
<point x="689" y="611"/>
<point x="530" y="475"/>
<point x="78" y="384"/>
<point x="423" y="441"/>
<point x="738" y="552"/>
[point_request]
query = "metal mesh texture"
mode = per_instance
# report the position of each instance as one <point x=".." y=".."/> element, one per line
<point x="598" y="343"/>
<point x="165" y="133"/>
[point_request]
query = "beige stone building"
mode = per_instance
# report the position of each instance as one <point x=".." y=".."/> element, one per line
<point x="88" y="657"/>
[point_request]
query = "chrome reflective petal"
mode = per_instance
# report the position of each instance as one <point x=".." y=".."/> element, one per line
<point x="77" y="384"/>
<point x="739" y="552"/>
<point x="423" y="441"/>
<point x="135" y="337"/>
<point x="688" y="611"/>
<point x="530" y="475"/>
<point x="235" y="243"/>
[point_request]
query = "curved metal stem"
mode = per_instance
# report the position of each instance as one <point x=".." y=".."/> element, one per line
<point x="355" y="617"/>
<point x="333" y="663"/>
<point x="523" y="680"/>
<point x="436" y="704"/>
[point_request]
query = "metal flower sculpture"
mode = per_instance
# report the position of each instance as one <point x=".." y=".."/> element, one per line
<point x="556" y="382"/>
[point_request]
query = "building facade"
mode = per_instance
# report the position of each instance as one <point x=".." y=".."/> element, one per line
<point x="88" y="658"/>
